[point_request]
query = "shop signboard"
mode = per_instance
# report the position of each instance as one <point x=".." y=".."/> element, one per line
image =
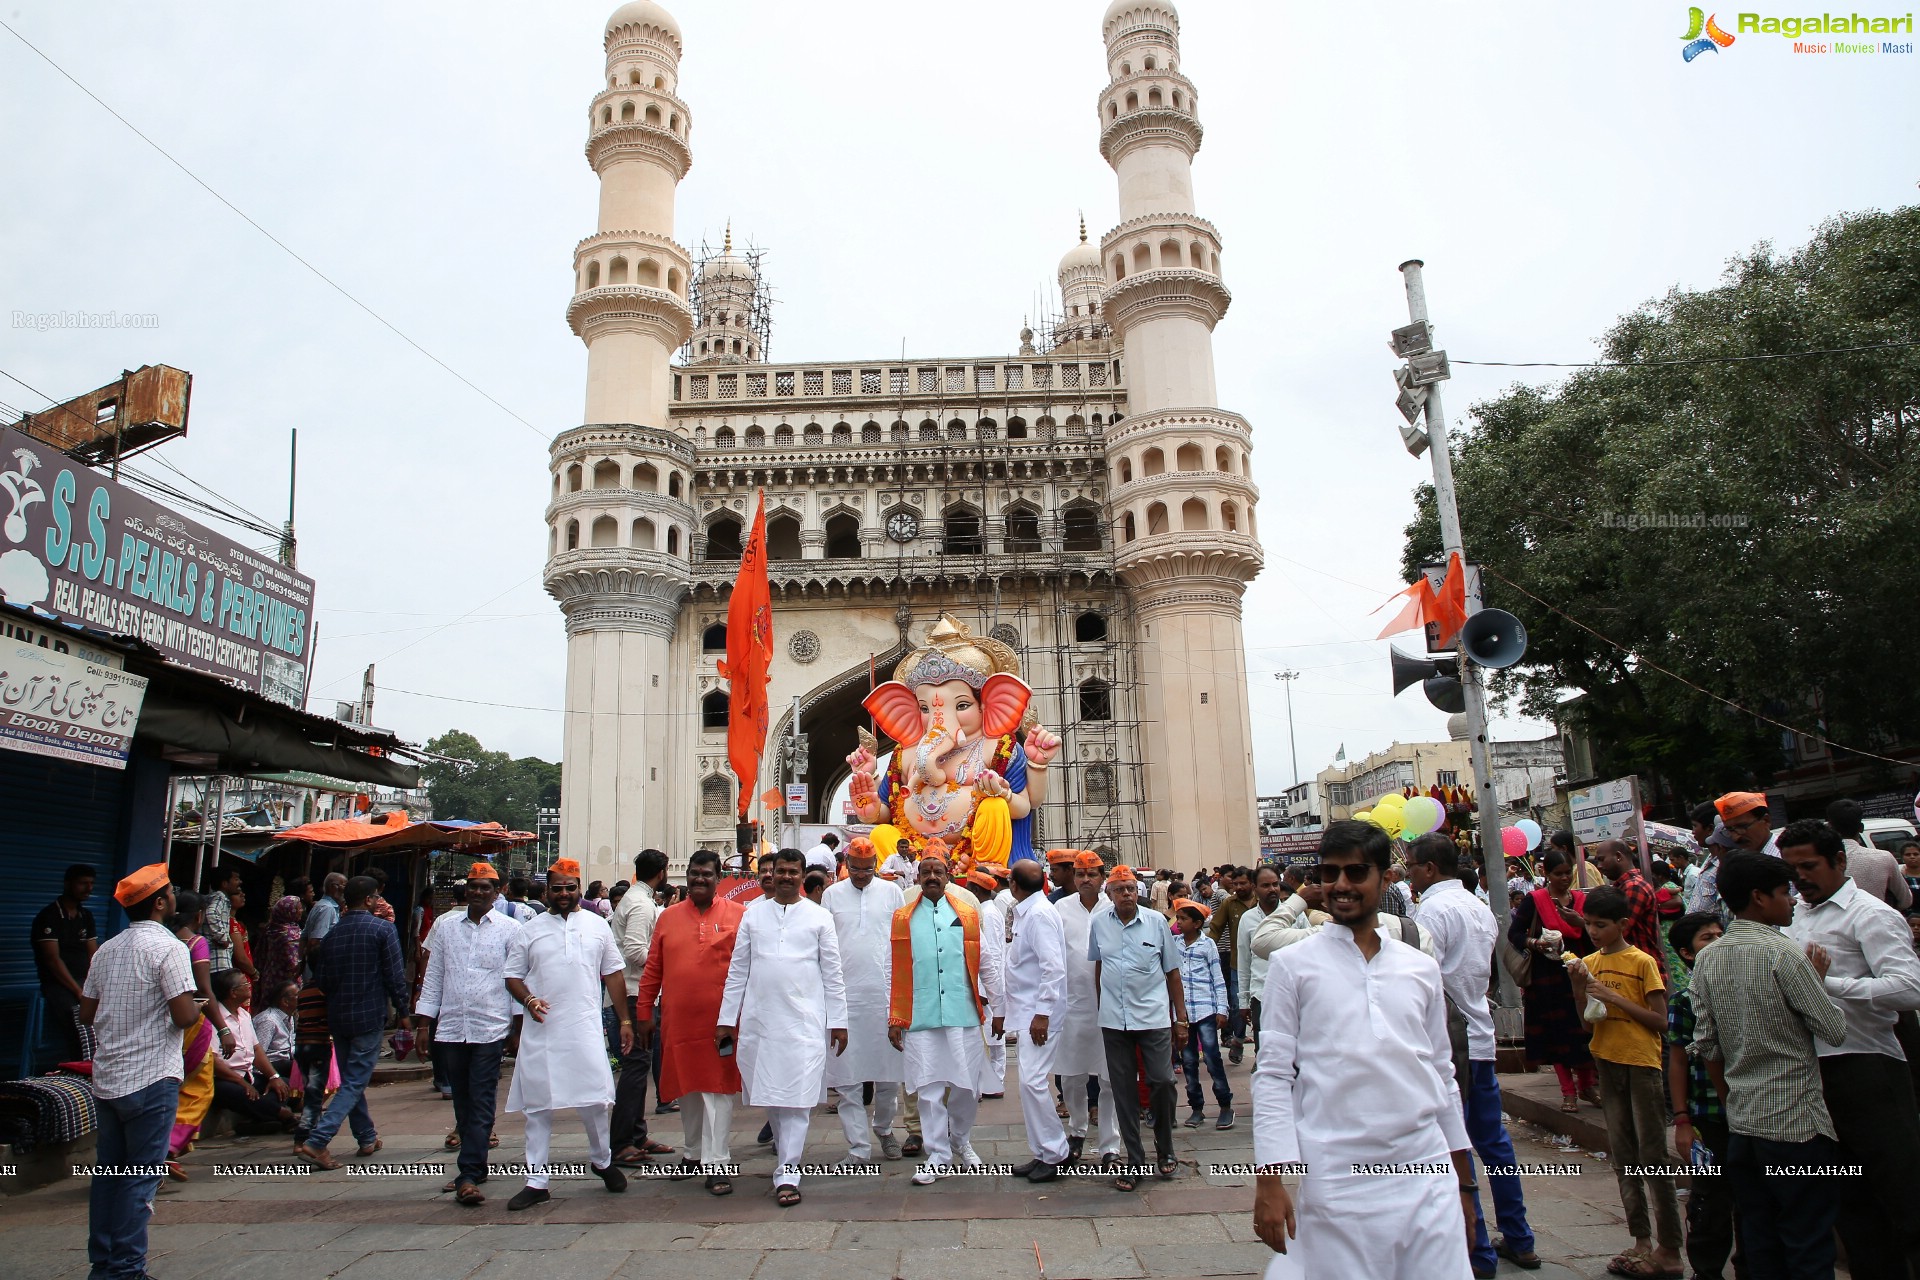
<point x="82" y="548"/>
<point x="1610" y="811"/>
<point x="1290" y="849"/>
<point x="61" y="705"/>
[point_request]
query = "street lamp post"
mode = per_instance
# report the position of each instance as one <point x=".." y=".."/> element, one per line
<point x="1290" y="677"/>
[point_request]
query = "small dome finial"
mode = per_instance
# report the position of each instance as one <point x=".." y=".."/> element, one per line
<point x="729" y="244"/>
<point x="1083" y="226"/>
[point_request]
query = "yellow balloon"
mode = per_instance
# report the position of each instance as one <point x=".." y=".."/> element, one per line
<point x="1365" y="815"/>
<point x="1392" y="800"/>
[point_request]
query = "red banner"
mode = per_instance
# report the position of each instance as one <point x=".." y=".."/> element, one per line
<point x="749" y="657"/>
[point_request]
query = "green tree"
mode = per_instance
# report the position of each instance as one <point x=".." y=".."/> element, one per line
<point x="1795" y="596"/>
<point x="492" y="786"/>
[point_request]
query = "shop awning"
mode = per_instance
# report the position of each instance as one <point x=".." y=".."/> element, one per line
<point x="396" y="833"/>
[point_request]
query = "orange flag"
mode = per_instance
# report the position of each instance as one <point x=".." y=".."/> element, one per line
<point x="749" y="657"/>
<point x="1449" y="612"/>
<point x="1418" y="609"/>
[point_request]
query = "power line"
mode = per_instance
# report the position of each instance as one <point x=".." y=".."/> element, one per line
<point x="281" y="244"/>
<point x="1652" y="364"/>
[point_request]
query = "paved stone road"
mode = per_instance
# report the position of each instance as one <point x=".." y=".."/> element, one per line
<point x="316" y="1226"/>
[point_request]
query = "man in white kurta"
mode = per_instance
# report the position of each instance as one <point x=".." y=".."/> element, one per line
<point x="1036" y="980"/>
<point x="993" y="953"/>
<point x="1080" y="1054"/>
<point x="785" y="1002"/>
<point x="862" y="907"/>
<point x="1352" y="1012"/>
<point x="562" y="961"/>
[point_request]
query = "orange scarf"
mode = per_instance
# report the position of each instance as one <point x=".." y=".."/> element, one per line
<point x="900" y="998"/>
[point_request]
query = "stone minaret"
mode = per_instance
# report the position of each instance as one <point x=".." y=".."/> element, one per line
<point x="1182" y="497"/>
<point x="621" y="522"/>
<point x="729" y="290"/>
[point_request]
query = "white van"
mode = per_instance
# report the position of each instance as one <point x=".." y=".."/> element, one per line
<point x="1889" y="833"/>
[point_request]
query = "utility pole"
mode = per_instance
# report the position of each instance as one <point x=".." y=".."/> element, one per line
<point x="289" y="545"/>
<point x="1471" y="681"/>
<point x="1290" y="677"/>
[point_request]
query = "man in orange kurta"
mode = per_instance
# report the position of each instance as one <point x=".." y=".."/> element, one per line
<point x="687" y="971"/>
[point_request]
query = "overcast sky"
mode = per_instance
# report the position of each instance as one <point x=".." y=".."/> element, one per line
<point x="914" y="172"/>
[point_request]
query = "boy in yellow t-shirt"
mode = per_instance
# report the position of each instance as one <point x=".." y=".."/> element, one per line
<point x="1626" y="1049"/>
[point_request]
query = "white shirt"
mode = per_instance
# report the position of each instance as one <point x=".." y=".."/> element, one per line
<point x="1874" y="972"/>
<point x="784" y="992"/>
<point x="465" y="986"/>
<point x="900" y="869"/>
<point x="1336" y="1027"/>
<point x="1036" y="968"/>
<point x="823" y="856"/>
<point x="863" y="924"/>
<point x="563" y="1060"/>
<point x="133" y="976"/>
<point x="1463" y="929"/>
<point x="1253" y="968"/>
<point x="632" y="925"/>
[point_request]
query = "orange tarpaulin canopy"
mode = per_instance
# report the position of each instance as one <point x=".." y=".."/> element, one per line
<point x="395" y="832"/>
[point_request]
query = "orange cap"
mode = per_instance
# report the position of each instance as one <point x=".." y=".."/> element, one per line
<point x="1735" y="803"/>
<point x="1201" y="907"/>
<point x="937" y="848"/>
<point x="862" y="848"/>
<point x="141" y="884"/>
<point x="565" y="868"/>
<point x="1087" y="860"/>
<point x="1061" y="855"/>
<point x="1122" y="874"/>
<point x="981" y="880"/>
<point x="482" y="871"/>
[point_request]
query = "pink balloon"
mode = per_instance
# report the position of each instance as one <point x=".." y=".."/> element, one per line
<point x="1514" y="841"/>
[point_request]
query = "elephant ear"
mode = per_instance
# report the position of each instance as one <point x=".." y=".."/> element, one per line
<point x="897" y="712"/>
<point x="1003" y="700"/>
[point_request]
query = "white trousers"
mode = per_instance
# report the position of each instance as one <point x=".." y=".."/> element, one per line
<point x="854" y="1121"/>
<point x="946" y="1120"/>
<point x="1381" y="1228"/>
<point x="1046" y="1137"/>
<point x="704" y="1118"/>
<point x="789" y="1142"/>
<point x="997" y="1062"/>
<point x="540" y="1139"/>
<point x="1075" y="1087"/>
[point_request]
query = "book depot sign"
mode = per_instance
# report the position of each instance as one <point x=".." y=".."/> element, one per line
<point x="63" y="705"/>
<point x="79" y="547"/>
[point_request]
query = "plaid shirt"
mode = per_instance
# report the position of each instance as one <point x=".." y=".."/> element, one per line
<point x="1201" y="979"/>
<point x="133" y="977"/>
<point x="1643" y="917"/>
<point x="1703" y="1100"/>
<point x="358" y="966"/>
<point x="219" y="930"/>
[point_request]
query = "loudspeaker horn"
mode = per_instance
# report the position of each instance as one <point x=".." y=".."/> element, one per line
<point x="1494" y="638"/>
<point x="1445" y="693"/>
<point x="1408" y="669"/>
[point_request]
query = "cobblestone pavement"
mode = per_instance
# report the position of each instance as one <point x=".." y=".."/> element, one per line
<point x="387" y="1221"/>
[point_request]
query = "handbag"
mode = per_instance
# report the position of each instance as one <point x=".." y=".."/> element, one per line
<point x="1517" y="963"/>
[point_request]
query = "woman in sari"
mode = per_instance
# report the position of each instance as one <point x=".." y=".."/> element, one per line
<point x="278" y="952"/>
<point x="197" y="1047"/>
<point x="1555" y="1032"/>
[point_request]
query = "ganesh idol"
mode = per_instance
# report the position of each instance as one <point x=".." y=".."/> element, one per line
<point x="955" y="707"/>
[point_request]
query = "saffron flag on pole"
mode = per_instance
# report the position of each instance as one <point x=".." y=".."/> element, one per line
<point x="749" y="657"/>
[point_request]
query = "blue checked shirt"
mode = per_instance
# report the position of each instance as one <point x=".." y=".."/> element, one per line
<point x="1201" y="978"/>
<point x="359" y="968"/>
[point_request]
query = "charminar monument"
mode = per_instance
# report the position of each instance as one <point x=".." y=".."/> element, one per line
<point x="1083" y="502"/>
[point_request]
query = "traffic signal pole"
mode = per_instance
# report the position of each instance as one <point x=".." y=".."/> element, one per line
<point x="1472" y="681"/>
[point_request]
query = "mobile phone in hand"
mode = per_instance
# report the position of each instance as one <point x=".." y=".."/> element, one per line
<point x="726" y="1047"/>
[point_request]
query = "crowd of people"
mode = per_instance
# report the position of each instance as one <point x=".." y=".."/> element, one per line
<point x="1744" y="1017"/>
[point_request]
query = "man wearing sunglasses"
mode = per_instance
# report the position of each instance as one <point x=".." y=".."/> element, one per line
<point x="1354" y="1013"/>
<point x="1746" y="817"/>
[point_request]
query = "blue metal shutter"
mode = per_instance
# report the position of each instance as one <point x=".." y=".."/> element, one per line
<point x="52" y="813"/>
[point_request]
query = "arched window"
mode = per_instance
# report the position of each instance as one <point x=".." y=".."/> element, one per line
<point x="714" y="638"/>
<point x="1081" y="529"/>
<point x="812" y="434"/>
<point x="1098" y="784"/>
<point x="723" y="438"/>
<point x="783" y="538"/>
<point x="1016" y="428"/>
<point x="714" y="708"/>
<point x="1193" y="515"/>
<point x="673" y="540"/>
<point x="653" y="116"/>
<point x="842" y="433"/>
<point x="843" y="535"/>
<point x="1023" y="530"/>
<point x="716" y="797"/>
<point x="626" y="111"/>
<point x="723" y="539"/>
<point x="783" y="436"/>
<point x="1124" y="472"/>
<point x="647" y="273"/>
<point x="606" y="532"/>
<point x="929" y="430"/>
<point x="986" y="429"/>
<point x="573" y="535"/>
<point x="646" y="478"/>
<point x="1156" y="519"/>
<point x="593" y="275"/>
<point x="1142" y="258"/>
<point x="1152" y="462"/>
<point x="870" y="433"/>
<point x="1230" y="517"/>
<point x="673" y="484"/>
<point x="956" y="430"/>
<point x="1119" y="266"/>
<point x="1089" y="627"/>
<point x="1153" y="97"/>
<point x="900" y="432"/>
<point x="1199" y="257"/>
<point x="1126" y="527"/>
<point x="756" y="438"/>
<point x="1096" y="699"/>
<point x="643" y="534"/>
<point x="1223" y="459"/>
<point x="1188" y="459"/>
<point x="962" y="534"/>
<point x="617" y="271"/>
<point x="573" y="478"/>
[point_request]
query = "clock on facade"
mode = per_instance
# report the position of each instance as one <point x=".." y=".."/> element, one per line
<point x="903" y="526"/>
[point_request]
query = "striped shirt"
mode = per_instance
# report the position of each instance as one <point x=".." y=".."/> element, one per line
<point x="1757" y="1005"/>
<point x="133" y="976"/>
<point x="1201" y="978"/>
